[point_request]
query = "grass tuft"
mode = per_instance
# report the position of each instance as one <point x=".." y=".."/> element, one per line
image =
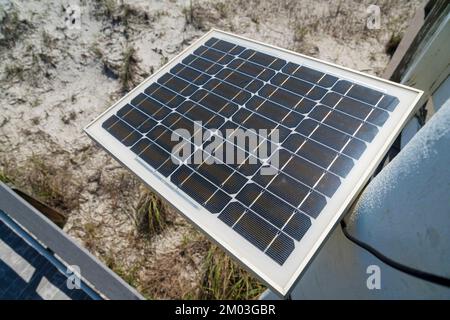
<point x="14" y="71"/>
<point x="42" y="178"/>
<point x="195" y="15"/>
<point x="4" y="177"/>
<point x="105" y="8"/>
<point x="299" y="33"/>
<point x="49" y="184"/>
<point x="203" y="15"/>
<point x="68" y="118"/>
<point x="151" y="215"/>
<point x="118" y="13"/>
<point x="47" y="40"/>
<point x="222" y="9"/>
<point x="129" y="69"/>
<point x="130" y="275"/>
<point x="223" y="279"/>
<point x="11" y="26"/>
<point x="91" y="238"/>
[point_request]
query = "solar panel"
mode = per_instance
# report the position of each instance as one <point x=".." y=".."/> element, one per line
<point x="310" y="135"/>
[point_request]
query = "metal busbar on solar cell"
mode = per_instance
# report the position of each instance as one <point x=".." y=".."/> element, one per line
<point x="333" y="126"/>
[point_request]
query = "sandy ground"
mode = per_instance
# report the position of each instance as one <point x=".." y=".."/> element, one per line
<point x="54" y="80"/>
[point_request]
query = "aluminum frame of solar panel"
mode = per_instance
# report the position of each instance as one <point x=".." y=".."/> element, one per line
<point x="280" y="278"/>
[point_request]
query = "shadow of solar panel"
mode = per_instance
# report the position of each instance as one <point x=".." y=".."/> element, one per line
<point x="323" y="123"/>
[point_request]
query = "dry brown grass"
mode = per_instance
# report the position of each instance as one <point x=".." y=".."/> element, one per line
<point x="130" y="275"/>
<point x="90" y="238"/>
<point x="36" y="65"/>
<point x="13" y="72"/>
<point x="130" y="70"/>
<point x="175" y="274"/>
<point x="222" y="278"/>
<point x="118" y="13"/>
<point x="127" y="71"/>
<point x="299" y="33"/>
<point x="203" y="15"/>
<point x="49" y="182"/>
<point x="4" y="176"/>
<point x="118" y="186"/>
<point x="11" y="26"/>
<point x="151" y="214"/>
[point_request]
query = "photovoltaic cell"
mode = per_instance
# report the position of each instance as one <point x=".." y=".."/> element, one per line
<point x="325" y="124"/>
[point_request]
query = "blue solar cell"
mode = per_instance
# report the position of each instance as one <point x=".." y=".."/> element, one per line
<point x="324" y="123"/>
